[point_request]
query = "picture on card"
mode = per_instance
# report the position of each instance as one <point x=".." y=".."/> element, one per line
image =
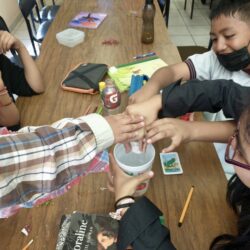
<point x="170" y="163"/>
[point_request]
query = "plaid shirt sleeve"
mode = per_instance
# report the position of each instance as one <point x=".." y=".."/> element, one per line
<point x="39" y="163"/>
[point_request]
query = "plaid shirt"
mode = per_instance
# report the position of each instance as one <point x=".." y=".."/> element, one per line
<point x="40" y="163"/>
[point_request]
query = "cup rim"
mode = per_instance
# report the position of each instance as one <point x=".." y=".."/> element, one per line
<point x="139" y="168"/>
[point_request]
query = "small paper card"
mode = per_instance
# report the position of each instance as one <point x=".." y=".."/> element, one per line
<point x="170" y="163"/>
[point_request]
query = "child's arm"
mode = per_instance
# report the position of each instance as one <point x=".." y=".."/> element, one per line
<point x="160" y="79"/>
<point x="9" y="115"/>
<point x="142" y="213"/>
<point x="182" y="131"/>
<point x="32" y="73"/>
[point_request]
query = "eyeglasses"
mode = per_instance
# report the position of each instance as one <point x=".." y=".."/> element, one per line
<point x="231" y="151"/>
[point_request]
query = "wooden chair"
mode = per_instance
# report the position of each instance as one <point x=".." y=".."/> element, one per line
<point x="14" y="58"/>
<point x="36" y="34"/>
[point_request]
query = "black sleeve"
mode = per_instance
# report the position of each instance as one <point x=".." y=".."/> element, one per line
<point x="209" y="95"/>
<point x="14" y="78"/>
<point x="140" y="227"/>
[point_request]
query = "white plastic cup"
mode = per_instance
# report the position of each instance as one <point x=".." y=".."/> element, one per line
<point x="135" y="164"/>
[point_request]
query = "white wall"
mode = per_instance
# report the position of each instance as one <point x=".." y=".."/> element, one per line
<point x="9" y="10"/>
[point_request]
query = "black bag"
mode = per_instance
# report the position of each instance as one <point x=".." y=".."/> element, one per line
<point x="85" y="78"/>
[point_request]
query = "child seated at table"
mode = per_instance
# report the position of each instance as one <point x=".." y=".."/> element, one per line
<point x="26" y="81"/>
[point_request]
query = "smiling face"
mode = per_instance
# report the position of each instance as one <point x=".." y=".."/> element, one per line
<point x="229" y="33"/>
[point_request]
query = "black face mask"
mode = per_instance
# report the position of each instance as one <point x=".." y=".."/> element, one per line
<point x="236" y="60"/>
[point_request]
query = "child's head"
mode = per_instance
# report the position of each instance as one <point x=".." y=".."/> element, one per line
<point x="230" y="8"/>
<point x="230" y="32"/>
<point x="239" y="150"/>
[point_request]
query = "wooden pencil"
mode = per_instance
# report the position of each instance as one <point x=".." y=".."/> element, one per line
<point x="184" y="210"/>
<point x="27" y="246"/>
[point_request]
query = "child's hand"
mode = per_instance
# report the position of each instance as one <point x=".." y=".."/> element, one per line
<point x="149" y="109"/>
<point x="8" y="41"/>
<point x="122" y="184"/>
<point x="177" y="130"/>
<point x="144" y="94"/>
<point x="125" y="127"/>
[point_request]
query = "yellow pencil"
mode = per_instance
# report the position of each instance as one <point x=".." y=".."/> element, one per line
<point x="27" y="246"/>
<point x="185" y="206"/>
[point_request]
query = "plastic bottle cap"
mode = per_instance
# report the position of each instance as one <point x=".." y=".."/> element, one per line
<point x="109" y="82"/>
<point x="101" y="86"/>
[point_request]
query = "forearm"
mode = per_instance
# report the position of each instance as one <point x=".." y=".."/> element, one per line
<point x="9" y="114"/>
<point x="51" y="157"/>
<point x="210" y="131"/>
<point x="210" y="95"/>
<point x="166" y="75"/>
<point x="160" y="79"/>
<point x="31" y="71"/>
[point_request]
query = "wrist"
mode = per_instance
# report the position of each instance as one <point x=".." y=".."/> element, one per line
<point x="19" y="47"/>
<point x="121" y="207"/>
<point x="190" y="134"/>
<point x="124" y="199"/>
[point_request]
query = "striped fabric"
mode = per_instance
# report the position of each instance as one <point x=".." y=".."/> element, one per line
<point x="191" y="68"/>
<point x="40" y="163"/>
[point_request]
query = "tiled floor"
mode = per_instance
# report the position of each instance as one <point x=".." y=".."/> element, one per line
<point x="21" y="32"/>
<point x="183" y="30"/>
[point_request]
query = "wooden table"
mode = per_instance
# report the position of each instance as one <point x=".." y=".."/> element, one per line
<point x="208" y="214"/>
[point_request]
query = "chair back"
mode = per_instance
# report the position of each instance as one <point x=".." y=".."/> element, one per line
<point x="27" y="6"/>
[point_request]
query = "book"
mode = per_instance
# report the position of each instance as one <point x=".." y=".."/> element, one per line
<point x="88" y="20"/>
<point x="87" y="232"/>
<point x="122" y="73"/>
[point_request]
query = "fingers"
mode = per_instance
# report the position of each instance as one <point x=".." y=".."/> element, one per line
<point x="143" y="145"/>
<point x="127" y="147"/>
<point x="143" y="177"/>
<point x="130" y="122"/>
<point x="170" y="148"/>
<point x="156" y="134"/>
<point x="6" y="41"/>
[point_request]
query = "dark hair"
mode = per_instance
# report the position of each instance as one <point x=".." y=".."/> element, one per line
<point x="238" y="196"/>
<point x="231" y="8"/>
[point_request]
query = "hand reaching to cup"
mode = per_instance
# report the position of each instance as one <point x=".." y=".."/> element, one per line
<point x="122" y="184"/>
<point x="125" y="127"/>
<point x="149" y="110"/>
